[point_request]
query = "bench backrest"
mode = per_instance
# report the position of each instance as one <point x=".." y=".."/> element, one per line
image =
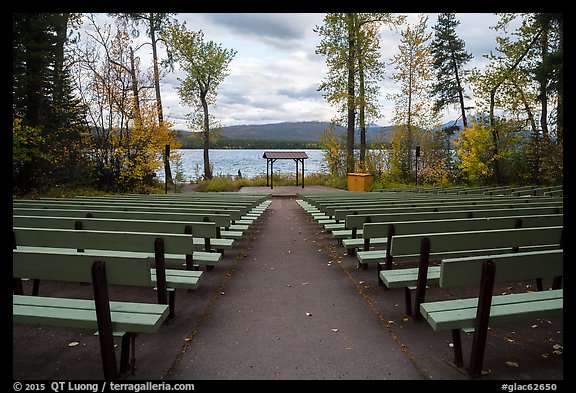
<point x="357" y="221"/>
<point x="337" y="210"/>
<point x="415" y="208"/>
<point x="373" y="230"/>
<point x="221" y="220"/>
<point x="466" y="271"/>
<point x="102" y="240"/>
<point x="471" y="241"/>
<point x="131" y="205"/>
<point x="69" y="265"/>
<point x="235" y="214"/>
<point x="199" y="229"/>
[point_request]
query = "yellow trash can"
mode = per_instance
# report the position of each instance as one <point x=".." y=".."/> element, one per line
<point x="359" y="181"/>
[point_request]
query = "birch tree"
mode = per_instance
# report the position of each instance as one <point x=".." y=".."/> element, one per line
<point x="350" y="43"/>
<point x="205" y="64"/>
<point x="413" y="108"/>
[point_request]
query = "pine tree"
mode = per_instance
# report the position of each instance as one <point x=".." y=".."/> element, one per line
<point x="450" y="57"/>
<point x="43" y="101"/>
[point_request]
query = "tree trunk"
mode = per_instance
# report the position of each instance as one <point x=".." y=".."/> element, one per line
<point x="460" y="93"/>
<point x="135" y="92"/>
<point x="560" y="104"/>
<point x="495" y="137"/>
<point x="61" y="36"/>
<point x="362" y="113"/>
<point x="543" y="81"/>
<point x="351" y="94"/>
<point x="167" y="170"/>
<point x="207" y="169"/>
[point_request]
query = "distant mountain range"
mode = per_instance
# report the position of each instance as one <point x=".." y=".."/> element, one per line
<point x="300" y="131"/>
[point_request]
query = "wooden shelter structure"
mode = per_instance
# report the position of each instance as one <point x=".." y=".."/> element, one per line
<point x="272" y="156"/>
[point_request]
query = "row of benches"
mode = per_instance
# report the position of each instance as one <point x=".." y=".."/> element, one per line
<point x="420" y="229"/>
<point x="91" y="240"/>
<point x="531" y="190"/>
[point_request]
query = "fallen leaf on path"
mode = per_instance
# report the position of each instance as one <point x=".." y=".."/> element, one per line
<point x="308" y="314"/>
<point x="334" y="330"/>
<point x="511" y="364"/>
<point x="304" y="283"/>
<point x="558" y="349"/>
<point x="288" y="285"/>
<point x="73" y="343"/>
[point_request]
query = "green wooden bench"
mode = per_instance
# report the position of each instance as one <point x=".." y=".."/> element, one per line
<point x="108" y="318"/>
<point x="330" y="226"/>
<point x="324" y="210"/>
<point x="242" y="212"/>
<point x="378" y="234"/>
<point x="423" y="247"/>
<point x="235" y="214"/>
<point x="179" y="248"/>
<point x="223" y="221"/>
<point x="157" y="248"/>
<point x="206" y="234"/>
<point x="437" y="200"/>
<point x="355" y="223"/>
<point x="477" y="314"/>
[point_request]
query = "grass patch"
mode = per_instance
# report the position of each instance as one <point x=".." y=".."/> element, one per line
<point x="231" y="183"/>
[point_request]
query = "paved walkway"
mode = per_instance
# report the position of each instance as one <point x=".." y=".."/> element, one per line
<point x="289" y="313"/>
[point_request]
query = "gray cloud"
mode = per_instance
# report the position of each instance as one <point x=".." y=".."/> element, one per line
<point x="277" y="30"/>
<point x="310" y="92"/>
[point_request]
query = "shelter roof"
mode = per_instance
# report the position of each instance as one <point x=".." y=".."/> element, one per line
<point x="285" y="154"/>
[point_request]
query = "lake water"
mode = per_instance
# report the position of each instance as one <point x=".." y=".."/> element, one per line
<point x="248" y="161"/>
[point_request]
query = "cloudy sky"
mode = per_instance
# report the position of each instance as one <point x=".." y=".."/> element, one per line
<point x="275" y="74"/>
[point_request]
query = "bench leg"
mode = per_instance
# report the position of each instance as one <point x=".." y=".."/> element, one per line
<point x="457" y="342"/>
<point x="190" y="262"/>
<point x="482" y="318"/>
<point x="408" y="301"/>
<point x="17" y="283"/>
<point x="557" y="282"/>
<point x="102" y="305"/>
<point x="35" y="287"/>
<point x="172" y="303"/>
<point x="125" y="353"/>
<point x="422" y="277"/>
<point x="539" y="285"/>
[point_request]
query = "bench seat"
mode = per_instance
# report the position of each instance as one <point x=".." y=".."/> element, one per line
<point x="359" y="242"/>
<point x="81" y="313"/>
<point x="206" y="258"/>
<point x="401" y="278"/>
<point x="179" y="278"/>
<point x="461" y="313"/>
